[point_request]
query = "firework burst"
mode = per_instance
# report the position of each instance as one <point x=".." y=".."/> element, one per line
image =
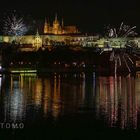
<point x="14" y="26"/>
<point x="122" y="31"/>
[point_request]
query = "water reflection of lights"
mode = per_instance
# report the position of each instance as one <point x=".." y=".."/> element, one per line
<point x="16" y="105"/>
<point x="56" y="102"/>
<point x="117" y="101"/>
<point x="114" y="99"/>
<point x="138" y="74"/>
<point x="0" y="81"/>
<point x="47" y="96"/>
<point x="38" y="92"/>
<point x="82" y="87"/>
<point x="14" y="101"/>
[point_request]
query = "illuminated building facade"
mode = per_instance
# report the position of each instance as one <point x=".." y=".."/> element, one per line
<point x="37" y="42"/>
<point x="34" y="42"/>
<point x="58" y="28"/>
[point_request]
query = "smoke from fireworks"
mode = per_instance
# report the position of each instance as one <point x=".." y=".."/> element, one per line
<point x="14" y="26"/>
<point x="122" y="31"/>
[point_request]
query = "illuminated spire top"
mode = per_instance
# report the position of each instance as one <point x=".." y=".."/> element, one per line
<point x="62" y="23"/>
<point x="55" y="17"/>
<point x="37" y="33"/>
<point x="47" y="23"/>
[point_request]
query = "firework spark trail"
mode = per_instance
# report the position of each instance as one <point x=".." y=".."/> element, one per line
<point x="115" y="32"/>
<point x="126" y="64"/>
<point x="120" y="28"/>
<point x="130" y="59"/>
<point x="123" y="31"/>
<point x="14" y="26"/>
<point x="119" y="60"/>
<point x="115" y="66"/>
<point x="130" y="31"/>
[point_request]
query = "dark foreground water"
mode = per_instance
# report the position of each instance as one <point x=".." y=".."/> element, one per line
<point x="69" y="106"/>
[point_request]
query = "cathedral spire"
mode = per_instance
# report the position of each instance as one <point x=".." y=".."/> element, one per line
<point x="45" y="23"/>
<point x="46" y="26"/>
<point x="56" y="17"/>
<point x="62" y="22"/>
<point x="37" y="33"/>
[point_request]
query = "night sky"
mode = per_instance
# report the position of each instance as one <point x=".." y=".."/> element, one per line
<point x="88" y="15"/>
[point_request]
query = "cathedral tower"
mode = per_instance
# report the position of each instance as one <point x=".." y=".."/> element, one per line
<point x="56" y="26"/>
<point x="37" y="43"/>
<point x="46" y="27"/>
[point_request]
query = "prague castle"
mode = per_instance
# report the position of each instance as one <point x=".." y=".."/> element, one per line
<point x="57" y="34"/>
<point x="58" y="28"/>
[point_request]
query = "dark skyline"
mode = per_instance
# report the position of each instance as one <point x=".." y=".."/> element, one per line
<point x="89" y="15"/>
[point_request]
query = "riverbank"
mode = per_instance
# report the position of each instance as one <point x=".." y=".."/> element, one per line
<point x="63" y="60"/>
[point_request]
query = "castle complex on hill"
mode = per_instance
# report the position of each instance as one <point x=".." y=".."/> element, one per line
<point x="58" y="28"/>
<point x="56" y="34"/>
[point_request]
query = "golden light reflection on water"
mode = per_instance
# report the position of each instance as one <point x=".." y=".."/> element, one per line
<point x="118" y="101"/>
<point x="114" y="99"/>
<point x="31" y="90"/>
<point x="47" y="96"/>
<point x="38" y="92"/>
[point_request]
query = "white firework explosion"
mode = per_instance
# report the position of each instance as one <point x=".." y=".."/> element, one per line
<point x="14" y="26"/>
<point x="122" y="31"/>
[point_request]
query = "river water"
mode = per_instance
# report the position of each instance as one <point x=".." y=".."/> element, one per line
<point x="70" y="106"/>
